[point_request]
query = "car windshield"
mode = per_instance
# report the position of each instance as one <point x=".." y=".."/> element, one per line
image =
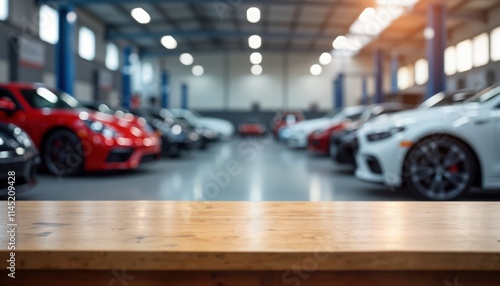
<point x="443" y="99"/>
<point x="486" y="94"/>
<point x="47" y="98"/>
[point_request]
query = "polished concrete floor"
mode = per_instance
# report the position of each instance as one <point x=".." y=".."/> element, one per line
<point x="240" y="170"/>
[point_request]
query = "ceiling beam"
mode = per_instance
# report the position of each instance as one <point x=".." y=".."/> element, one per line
<point x="351" y="3"/>
<point x="199" y="33"/>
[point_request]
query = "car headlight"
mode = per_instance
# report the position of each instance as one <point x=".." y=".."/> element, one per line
<point x="100" y="128"/>
<point x="176" y="129"/>
<point x="376" y="136"/>
<point x="23" y="138"/>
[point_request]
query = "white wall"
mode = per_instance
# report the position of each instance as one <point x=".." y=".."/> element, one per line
<point x="286" y="81"/>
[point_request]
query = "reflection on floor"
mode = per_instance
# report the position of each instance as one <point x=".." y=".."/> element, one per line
<point x="240" y="170"/>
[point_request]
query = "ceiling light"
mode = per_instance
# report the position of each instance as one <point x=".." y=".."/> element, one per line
<point x="256" y="70"/>
<point x="169" y="42"/>
<point x="253" y="15"/>
<point x="339" y="42"/>
<point x="71" y="17"/>
<point x="198" y="70"/>
<point x="256" y="58"/>
<point x="141" y="16"/>
<point x="429" y="33"/>
<point x="316" y="69"/>
<point x="254" y="42"/>
<point x="186" y="59"/>
<point x="367" y="14"/>
<point x="325" y="59"/>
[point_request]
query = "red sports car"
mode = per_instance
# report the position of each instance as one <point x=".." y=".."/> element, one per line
<point x="252" y="128"/>
<point x="319" y="141"/>
<point x="72" y="140"/>
<point x="283" y="119"/>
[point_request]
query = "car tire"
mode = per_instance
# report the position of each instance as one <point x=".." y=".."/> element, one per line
<point x="439" y="170"/>
<point x="63" y="153"/>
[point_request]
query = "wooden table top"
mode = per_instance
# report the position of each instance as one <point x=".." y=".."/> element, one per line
<point x="255" y="235"/>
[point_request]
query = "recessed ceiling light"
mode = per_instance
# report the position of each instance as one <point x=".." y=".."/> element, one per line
<point x="256" y="58"/>
<point x="186" y="59"/>
<point x="140" y="15"/>
<point x="169" y="42"/>
<point x="316" y="69"/>
<point x="325" y="59"/>
<point x="254" y="42"/>
<point x="339" y="42"/>
<point x="198" y="70"/>
<point x="253" y="15"/>
<point x="256" y="70"/>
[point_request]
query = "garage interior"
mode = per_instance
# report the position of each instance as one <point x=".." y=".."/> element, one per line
<point x="202" y="142"/>
<point x="391" y="66"/>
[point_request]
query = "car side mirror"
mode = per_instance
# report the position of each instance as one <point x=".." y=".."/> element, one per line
<point x="7" y="106"/>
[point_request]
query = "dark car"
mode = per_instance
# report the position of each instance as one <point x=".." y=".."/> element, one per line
<point x="18" y="158"/>
<point x="176" y="136"/>
<point x="344" y="143"/>
<point x="200" y="135"/>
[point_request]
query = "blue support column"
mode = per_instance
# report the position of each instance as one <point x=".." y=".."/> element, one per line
<point x="165" y="89"/>
<point x="65" y="56"/>
<point x="184" y="96"/>
<point x="394" y="73"/>
<point x="127" y="78"/>
<point x="339" y="96"/>
<point x="379" y="76"/>
<point x="364" y="91"/>
<point x="436" y="46"/>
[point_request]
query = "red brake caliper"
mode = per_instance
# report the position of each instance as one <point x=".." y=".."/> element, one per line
<point x="453" y="168"/>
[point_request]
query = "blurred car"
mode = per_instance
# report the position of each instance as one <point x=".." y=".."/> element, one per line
<point x="252" y="127"/>
<point x="18" y="154"/>
<point x="438" y="153"/>
<point x="343" y="144"/>
<point x="72" y="139"/>
<point x="283" y="119"/>
<point x="176" y="137"/>
<point x="296" y="135"/>
<point x="201" y="136"/>
<point x="224" y="128"/>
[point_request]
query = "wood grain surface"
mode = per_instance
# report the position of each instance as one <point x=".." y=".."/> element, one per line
<point x="139" y="235"/>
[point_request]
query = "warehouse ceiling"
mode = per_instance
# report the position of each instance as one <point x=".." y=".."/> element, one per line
<point x="285" y="25"/>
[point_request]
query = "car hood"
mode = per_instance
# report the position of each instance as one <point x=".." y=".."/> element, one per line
<point x="311" y="125"/>
<point x="123" y="125"/>
<point x="224" y="127"/>
<point x="443" y="114"/>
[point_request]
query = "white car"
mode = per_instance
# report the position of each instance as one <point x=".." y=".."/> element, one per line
<point x="295" y="135"/>
<point x="439" y="153"/>
<point x="223" y="127"/>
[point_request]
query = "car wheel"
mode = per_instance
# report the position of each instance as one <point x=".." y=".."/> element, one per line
<point x="63" y="153"/>
<point x="439" y="170"/>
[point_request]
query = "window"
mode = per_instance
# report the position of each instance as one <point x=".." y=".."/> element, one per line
<point x="86" y="44"/>
<point x="112" y="57"/>
<point x="404" y="78"/>
<point x="421" y="71"/>
<point x="147" y="73"/>
<point x="4" y="10"/>
<point x="49" y="24"/>
<point x="450" y="61"/>
<point x="464" y="53"/>
<point x="46" y="98"/>
<point x="495" y="44"/>
<point x="481" y="52"/>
